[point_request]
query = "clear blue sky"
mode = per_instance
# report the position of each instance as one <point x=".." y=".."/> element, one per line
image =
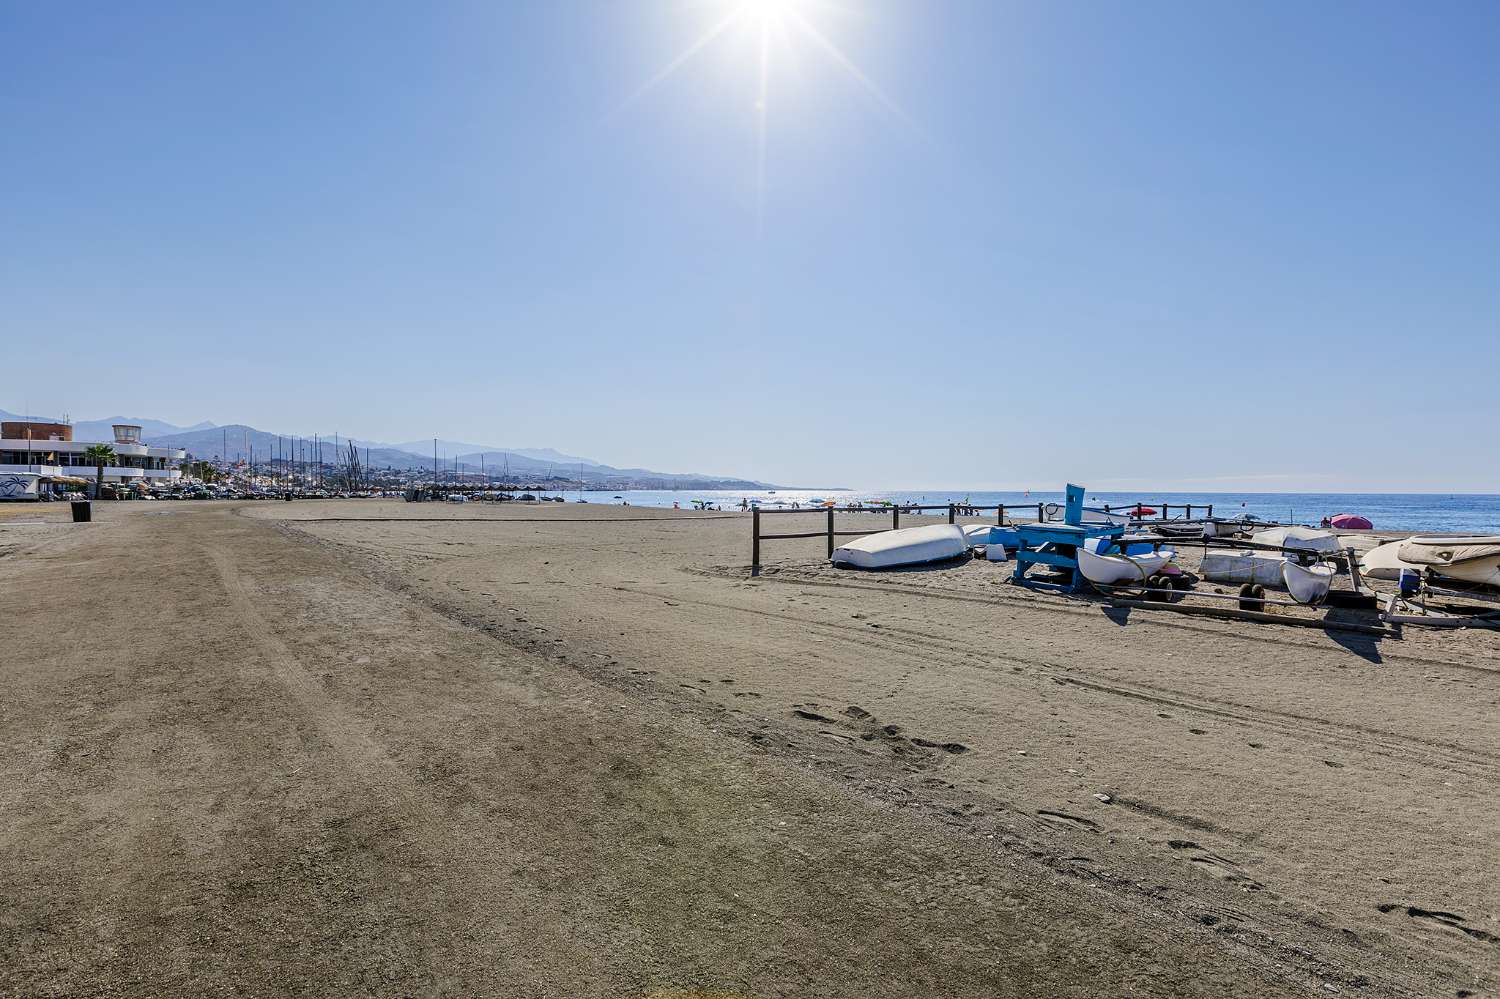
<point x="1215" y="245"/>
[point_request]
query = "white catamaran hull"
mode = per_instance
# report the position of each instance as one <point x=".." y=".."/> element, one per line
<point x="1308" y="584"/>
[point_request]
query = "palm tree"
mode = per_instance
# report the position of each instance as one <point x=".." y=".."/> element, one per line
<point x="99" y="455"/>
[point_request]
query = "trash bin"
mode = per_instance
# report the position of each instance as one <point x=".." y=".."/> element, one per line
<point x="83" y="511"/>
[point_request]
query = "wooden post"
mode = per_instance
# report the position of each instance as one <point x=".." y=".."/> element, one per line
<point x="1210" y="511"/>
<point x="951" y="512"/>
<point x="1000" y="515"/>
<point x="830" y="532"/>
<point x="1354" y="569"/>
<point x="755" y="542"/>
<point x="1165" y="507"/>
<point x="895" y="517"/>
<point x="1039" y="517"/>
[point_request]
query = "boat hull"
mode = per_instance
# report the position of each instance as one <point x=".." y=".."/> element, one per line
<point x="1470" y="559"/>
<point x="903" y="547"/>
<point x="1308" y="584"/>
<point x="1115" y="570"/>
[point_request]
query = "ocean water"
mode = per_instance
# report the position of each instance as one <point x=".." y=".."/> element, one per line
<point x="1435" y="512"/>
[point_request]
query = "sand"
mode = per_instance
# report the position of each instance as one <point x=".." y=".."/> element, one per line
<point x="575" y="750"/>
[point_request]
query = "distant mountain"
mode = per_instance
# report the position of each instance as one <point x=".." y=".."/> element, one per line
<point x="34" y="419"/>
<point x="103" y="430"/>
<point x="238" y="441"/>
<point x="462" y="447"/>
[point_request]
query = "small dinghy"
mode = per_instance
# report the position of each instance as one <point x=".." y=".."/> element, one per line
<point x="1302" y="539"/>
<point x="1308" y="584"/>
<point x="1385" y="562"/>
<point x="905" y="546"/>
<point x="1471" y="559"/>
<point x="1242" y="567"/>
<point x="1116" y="568"/>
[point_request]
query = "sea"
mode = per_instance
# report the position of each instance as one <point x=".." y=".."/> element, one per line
<point x="1435" y="512"/>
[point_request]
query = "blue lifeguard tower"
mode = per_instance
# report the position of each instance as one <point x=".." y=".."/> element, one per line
<point x="1056" y="545"/>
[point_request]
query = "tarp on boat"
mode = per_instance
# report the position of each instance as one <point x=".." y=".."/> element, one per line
<point x="904" y="546"/>
<point x="1448" y="551"/>
<point x="1306" y="539"/>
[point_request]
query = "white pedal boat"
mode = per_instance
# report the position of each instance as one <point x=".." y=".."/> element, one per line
<point x="904" y="546"/>
<point x="1116" y="569"/>
<point x="1308" y="584"/>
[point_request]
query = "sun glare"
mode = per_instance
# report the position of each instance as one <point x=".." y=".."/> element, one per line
<point x="774" y="24"/>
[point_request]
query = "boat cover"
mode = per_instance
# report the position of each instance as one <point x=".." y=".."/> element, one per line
<point x="1307" y="539"/>
<point x="1448" y="551"/>
<point x="905" y="546"/>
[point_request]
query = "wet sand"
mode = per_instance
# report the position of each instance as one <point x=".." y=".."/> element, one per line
<point x="422" y="749"/>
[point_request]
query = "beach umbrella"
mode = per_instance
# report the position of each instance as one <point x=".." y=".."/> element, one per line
<point x="1351" y="522"/>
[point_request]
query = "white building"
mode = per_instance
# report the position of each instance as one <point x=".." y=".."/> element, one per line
<point x="48" y="449"/>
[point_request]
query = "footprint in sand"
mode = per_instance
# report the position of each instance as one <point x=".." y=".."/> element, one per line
<point x="1064" y="819"/>
<point x="1448" y="920"/>
<point x="1215" y="866"/>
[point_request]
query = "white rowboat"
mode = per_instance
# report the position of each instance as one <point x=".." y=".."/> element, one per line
<point x="1471" y="559"/>
<point x="1308" y="584"/>
<point x="1113" y="570"/>
<point x="905" y="546"/>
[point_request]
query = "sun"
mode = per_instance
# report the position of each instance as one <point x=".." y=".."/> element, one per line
<point x="768" y="10"/>
<point x="773" y="23"/>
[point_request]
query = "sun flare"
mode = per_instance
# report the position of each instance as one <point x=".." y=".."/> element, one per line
<point x="774" y="25"/>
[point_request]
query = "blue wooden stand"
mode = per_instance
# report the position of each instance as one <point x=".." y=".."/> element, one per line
<point x="1064" y="540"/>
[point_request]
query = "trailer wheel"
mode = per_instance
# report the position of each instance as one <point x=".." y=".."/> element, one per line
<point x="1247" y="598"/>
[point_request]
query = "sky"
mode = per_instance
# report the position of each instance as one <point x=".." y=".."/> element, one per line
<point x="937" y="244"/>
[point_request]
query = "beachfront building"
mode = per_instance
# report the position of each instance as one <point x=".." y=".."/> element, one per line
<point x="48" y="450"/>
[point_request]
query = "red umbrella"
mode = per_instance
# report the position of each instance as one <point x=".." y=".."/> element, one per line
<point x="1351" y="522"/>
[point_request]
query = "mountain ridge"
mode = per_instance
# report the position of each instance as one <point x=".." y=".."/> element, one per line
<point x="240" y="441"/>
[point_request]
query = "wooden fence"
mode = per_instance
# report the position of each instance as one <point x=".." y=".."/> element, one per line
<point x="954" y="511"/>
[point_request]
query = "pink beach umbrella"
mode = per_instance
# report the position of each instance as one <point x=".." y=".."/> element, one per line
<point x="1351" y="522"/>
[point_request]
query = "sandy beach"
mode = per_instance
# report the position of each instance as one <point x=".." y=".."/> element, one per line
<point x="370" y="747"/>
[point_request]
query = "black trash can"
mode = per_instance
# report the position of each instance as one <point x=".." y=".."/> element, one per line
<point x="83" y="511"/>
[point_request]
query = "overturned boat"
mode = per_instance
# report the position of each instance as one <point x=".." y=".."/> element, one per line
<point x="1385" y="562"/>
<point x="902" y="547"/>
<point x="1474" y="559"/>
<point x="1242" y="566"/>
<point x="1302" y="539"/>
